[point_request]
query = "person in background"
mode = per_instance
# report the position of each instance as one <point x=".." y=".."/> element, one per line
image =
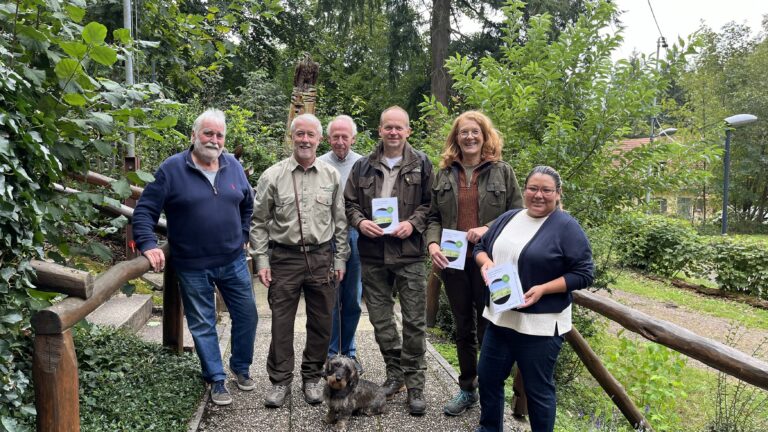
<point x="394" y="263"/>
<point x="342" y="132"/>
<point x="473" y="187"/>
<point x="299" y="213"/>
<point x="553" y="258"/>
<point x="208" y="205"/>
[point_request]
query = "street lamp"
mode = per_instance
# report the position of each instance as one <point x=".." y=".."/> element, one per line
<point x="731" y="122"/>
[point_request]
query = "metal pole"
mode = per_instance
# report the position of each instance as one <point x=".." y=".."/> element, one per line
<point x="659" y="43"/>
<point x="130" y="150"/>
<point x="130" y="161"/>
<point x="726" y="180"/>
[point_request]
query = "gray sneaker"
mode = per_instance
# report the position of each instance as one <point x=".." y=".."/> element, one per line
<point x="313" y="392"/>
<point x="276" y="396"/>
<point x="244" y="381"/>
<point x="219" y="393"/>
<point x="460" y="403"/>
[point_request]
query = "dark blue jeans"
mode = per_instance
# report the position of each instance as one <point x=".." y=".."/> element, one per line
<point x="197" y="295"/>
<point x="536" y="357"/>
<point x="349" y="293"/>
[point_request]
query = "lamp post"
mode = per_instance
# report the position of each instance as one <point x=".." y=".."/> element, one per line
<point x="731" y="122"/>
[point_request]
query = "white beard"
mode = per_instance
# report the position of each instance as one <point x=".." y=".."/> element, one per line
<point x="206" y="152"/>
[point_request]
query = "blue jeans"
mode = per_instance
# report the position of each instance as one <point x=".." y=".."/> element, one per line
<point x="536" y="357"/>
<point x="349" y="294"/>
<point x="197" y="295"/>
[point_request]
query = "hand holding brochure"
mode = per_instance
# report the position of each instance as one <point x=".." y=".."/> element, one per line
<point x="505" y="287"/>
<point x="385" y="213"/>
<point x="453" y="245"/>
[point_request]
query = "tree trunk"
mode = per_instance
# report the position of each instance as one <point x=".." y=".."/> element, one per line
<point x="440" y="32"/>
<point x="433" y="295"/>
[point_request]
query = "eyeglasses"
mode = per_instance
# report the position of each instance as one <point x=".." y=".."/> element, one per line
<point x="468" y="133"/>
<point x="533" y="190"/>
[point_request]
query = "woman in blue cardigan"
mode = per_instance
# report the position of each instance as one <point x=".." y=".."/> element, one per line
<point x="553" y="258"/>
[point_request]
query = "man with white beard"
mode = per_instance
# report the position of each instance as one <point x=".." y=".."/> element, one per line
<point x="208" y="204"/>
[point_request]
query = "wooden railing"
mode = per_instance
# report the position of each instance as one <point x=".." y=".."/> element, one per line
<point x="54" y="364"/>
<point x="709" y="352"/>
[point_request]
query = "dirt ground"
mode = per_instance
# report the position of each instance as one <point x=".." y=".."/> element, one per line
<point x="747" y="340"/>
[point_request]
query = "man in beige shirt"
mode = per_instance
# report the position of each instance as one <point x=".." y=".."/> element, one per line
<point x="299" y="215"/>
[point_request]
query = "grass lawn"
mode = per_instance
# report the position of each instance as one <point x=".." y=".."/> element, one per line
<point x="744" y="314"/>
<point x="762" y="238"/>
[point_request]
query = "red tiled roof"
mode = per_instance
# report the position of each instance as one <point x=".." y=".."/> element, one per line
<point x="633" y="143"/>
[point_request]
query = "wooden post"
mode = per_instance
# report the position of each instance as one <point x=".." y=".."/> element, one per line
<point x="54" y="369"/>
<point x="173" y="312"/>
<point x="707" y="351"/>
<point x="304" y="92"/>
<point x="58" y="278"/>
<point x="433" y="296"/>
<point x="612" y="387"/>
<point x="131" y="164"/>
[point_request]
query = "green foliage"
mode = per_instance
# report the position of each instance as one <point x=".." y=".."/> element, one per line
<point x="62" y="110"/>
<point x="144" y="387"/>
<point x="739" y="407"/>
<point x="658" y="244"/>
<point x="569" y="366"/>
<point x="562" y="102"/>
<point x="602" y="239"/>
<point x="182" y="44"/>
<point x="725" y="79"/>
<point x="651" y="374"/>
<point x="666" y="246"/>
<point x="444" y="319"/>
<point x="741" y="265"/>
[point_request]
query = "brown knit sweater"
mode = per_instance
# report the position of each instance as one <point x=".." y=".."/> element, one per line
<point x="467" y="202"/>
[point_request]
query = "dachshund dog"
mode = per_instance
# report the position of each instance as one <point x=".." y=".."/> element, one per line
<point x="346" y="394"/>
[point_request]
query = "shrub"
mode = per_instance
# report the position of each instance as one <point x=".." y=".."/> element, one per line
<point x="131" y="385"/>
<point x="651" y="373"/>
<point x="604" y="252"/>
<point x="741" y="265"/>
<point x="739" y="407"/>
<point x="659" y="244"/>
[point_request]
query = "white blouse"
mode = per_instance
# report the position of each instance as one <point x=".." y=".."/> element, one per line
<point x="507" y="247"/>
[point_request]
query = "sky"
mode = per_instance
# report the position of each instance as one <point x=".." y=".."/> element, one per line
<point x="681" y="18"/>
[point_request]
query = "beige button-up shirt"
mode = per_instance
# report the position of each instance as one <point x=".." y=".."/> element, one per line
<point x="321" y="202"/>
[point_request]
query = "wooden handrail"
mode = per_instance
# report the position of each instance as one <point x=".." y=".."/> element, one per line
<point x="707" y="351"/>
<point x="54" y="365"/>
<point x="57" y="318"/>
<point x="97" y="179"/>
<point x="611" y="385"/>
<point x="122" y="210"/>
<point x="58" y="278"/>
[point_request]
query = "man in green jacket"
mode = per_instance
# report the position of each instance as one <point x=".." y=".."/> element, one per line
<point x="394" y="263"/>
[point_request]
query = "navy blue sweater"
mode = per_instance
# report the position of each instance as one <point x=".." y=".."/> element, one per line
<point x="559" y="248"/>
<point x="207" y="225"/>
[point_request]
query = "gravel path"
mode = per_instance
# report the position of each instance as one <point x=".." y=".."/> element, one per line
<point x="747" y="340"/>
